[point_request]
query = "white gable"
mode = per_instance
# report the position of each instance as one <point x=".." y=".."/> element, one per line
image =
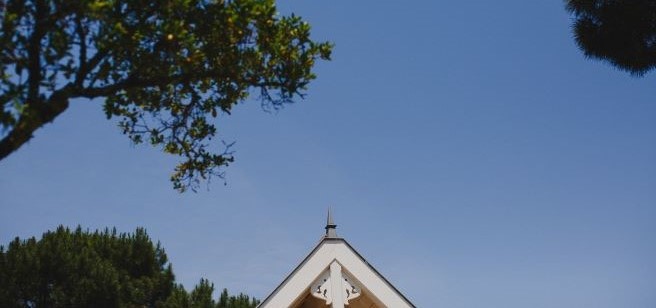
<point x="335" y="275"/>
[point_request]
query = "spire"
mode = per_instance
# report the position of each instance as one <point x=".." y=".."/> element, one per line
<point x="330" y="226"/>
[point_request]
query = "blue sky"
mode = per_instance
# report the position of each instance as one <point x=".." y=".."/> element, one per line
<point x="469" y="151"/>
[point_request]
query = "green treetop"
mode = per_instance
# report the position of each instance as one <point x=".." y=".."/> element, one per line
<point x="622" y="32"/>
<point x="101" y="269"/>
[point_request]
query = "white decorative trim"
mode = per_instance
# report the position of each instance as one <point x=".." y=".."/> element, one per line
<point x="351" y="290"/>
<point x="321" y="288"/>
<point x="336" y="282"/>
<point x="339" y="256"/>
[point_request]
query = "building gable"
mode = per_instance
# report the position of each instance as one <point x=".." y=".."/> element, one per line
<point x="334" y="274"/>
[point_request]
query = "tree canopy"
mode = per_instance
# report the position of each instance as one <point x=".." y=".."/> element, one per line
<point x="622" y="32"/>
<point x="101" y="269"/>
<point x="202" y="297"/>
<point x="167" y="69"/>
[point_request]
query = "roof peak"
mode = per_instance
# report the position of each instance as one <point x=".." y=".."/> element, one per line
<point x="330" y="226"/>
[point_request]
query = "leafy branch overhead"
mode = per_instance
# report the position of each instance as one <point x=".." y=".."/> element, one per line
<point x="167" y="69"/>
<point x="622" y="32"/>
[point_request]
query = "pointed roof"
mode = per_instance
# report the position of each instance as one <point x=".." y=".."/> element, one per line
<point x="351" y="274"/>
<point x="331" y="227"/>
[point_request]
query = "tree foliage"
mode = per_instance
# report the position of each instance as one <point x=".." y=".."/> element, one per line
<point x="622" y="32"/>
<point x="202" y="297"/>
<point x="167" y="69"/>
<point x="101" y="269"/>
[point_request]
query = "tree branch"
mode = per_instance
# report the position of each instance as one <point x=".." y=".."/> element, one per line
<point x="34" y="52"/>
<point x="34" y="116"/>
<point x="82" y="70"/>
<point x="94" y="61"/>
<point x="139" y="82"/>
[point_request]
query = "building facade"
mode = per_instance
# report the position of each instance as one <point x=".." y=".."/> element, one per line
<point x="335" y="275"/>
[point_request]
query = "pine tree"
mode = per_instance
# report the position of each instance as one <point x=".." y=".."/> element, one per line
<point x="101" y="269"/>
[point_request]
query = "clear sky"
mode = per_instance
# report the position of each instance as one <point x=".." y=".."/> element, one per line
<point x="469" y="151"/>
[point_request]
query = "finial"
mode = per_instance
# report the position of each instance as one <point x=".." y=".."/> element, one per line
<point x="330" y="226"/>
